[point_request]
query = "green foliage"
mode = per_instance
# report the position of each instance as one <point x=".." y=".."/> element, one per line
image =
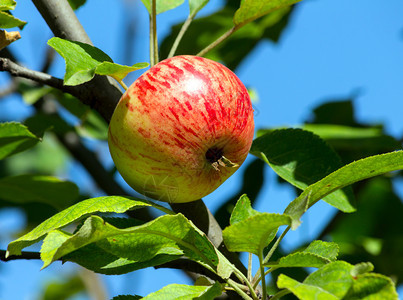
<point x="351" y="173"/>
<point x="83" y="61"/>
<point x="254" y="233"/>
<point x="302" y="158"/>
<point x="7" y="5"/>
<point x="36" y="188"/>
<point x="74" y="213"/>
<point x="317" y="254"/>
<point x="252" y="9"/>
<point x="233" y="50"/>
<point x="15" y="138"/>
<point x="335" y="281"/>
<point x="7" y="20"/>
<point x="181" y="291"/>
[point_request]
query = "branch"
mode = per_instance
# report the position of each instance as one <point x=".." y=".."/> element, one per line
<point x="86" y="93"/>
<point x="103" y="91"/>
<point x="24" y="255"/>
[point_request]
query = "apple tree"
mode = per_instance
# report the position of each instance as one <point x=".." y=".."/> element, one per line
<point x="176" y="134"/>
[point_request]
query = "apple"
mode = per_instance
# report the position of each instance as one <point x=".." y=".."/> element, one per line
<point x="181" y="129"/>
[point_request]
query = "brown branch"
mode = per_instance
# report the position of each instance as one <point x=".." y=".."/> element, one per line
<point x="24" y="255"/>
<point x="103" y="92"/>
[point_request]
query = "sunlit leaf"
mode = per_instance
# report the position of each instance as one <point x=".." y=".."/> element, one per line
<point x="254" y="233"/>
<point x="172" y="231"/>
<point x="83" y="60"/>
<point x="252" y="9"/>
<point x="15" y="138"/>
<point x="317" y="254"/>
<point x="182" y="291"/>
<point x="332" y="281"/>
<point x="7" y="5"/>
<point x="118" y="71"/>
<point x="304" y="291"/>
<point x="9" y="21"/>
<point x="353" y="172"/>
<point x="74" y="213"/>
<point x="242" y="210"/>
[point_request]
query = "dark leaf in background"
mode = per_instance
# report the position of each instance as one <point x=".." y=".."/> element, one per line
<point x="64" y="288"/>
<point x="302" y="158"/>
<point x="373" y="233"/>
<point x="231" y="52"/>
<point x="14" y="138"/>
<point x="76" y="3"/>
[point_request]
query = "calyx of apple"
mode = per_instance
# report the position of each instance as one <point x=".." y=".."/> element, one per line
<point x="181" y="129"/>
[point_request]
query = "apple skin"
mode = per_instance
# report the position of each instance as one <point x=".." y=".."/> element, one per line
<point x="174" y="123"/>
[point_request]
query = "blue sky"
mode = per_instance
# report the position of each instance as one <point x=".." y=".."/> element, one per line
<point x="330" y="50"/>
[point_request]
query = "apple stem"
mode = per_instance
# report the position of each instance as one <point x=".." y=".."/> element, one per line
<point x="218" y="41"/>
<point x="122" y="84"/>
<point x="153" y="34"/>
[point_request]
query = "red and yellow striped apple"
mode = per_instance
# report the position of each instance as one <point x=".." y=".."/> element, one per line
<point x="181" y="129"/>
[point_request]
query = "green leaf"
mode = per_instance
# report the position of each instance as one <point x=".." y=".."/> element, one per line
<point x="96" y="259"/>
<point x="74" y="213"/>
<point x="252" y="9"/>
<point x="172" y="231"/>
<point x="304" y="291"/>
<point x="355" y="138"/>
<point x="242" y="210"/>
<point x="332" y="281"/>
<point x="117" y="71"/>
<point x="37" y="188"/>
<point x="15" y="138"/>
<point x="31" y="93"/>
<point x="302" y="158"/>
<point x="83" y="60"/>
<point x="254" y="233"/>
<point x="372" y="286"/>
<point x="196" y="5"/>
<point x="328" y="250"/>
<point x="334" y="277"/>
<point x="362" y="268"/>
<point x="76" y="3"/>
<point x="7" y="5"/>
<point x="162" y="5"/>
<point x="9" y="21"/>
<point x="359" y="170"/>
<point x="316" y="255"/>
<point x="92" y="124"/>
<point x="184" y="292"/>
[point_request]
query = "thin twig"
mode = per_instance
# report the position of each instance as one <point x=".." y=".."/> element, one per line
<point x="258" y="276"/>
<point x="184" y="28"/>
<point x="261" y="268"/>
<point x="217" y="41"/>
